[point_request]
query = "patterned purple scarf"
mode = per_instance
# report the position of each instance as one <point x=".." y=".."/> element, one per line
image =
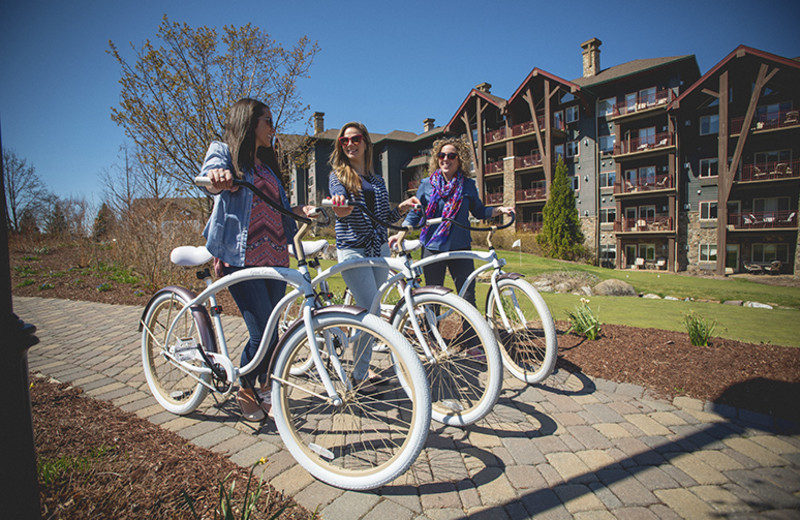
<point x="450" y="192"/>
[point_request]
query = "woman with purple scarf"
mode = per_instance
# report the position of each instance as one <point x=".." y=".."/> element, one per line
<point x="447" y="192"/>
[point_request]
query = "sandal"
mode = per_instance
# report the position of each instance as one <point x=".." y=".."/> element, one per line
<point x="251" y="411"/>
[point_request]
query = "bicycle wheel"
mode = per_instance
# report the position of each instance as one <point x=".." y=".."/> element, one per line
<point x="466" y="374"/>
<point x="176" y="388"/>
<point x="528" y="344"/>
<point x="373" y="436"/>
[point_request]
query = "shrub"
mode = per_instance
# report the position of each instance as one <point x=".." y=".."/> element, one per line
<point x="104" y="287"/>
<point x="699" y="329"/>
<point x="583" y="321"/>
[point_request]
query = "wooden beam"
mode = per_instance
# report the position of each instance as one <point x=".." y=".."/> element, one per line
<point x="723" y="172"/>
<point x="545" y="153"/>
<point x="710" y="92"/>
<point x="548" y="131"/>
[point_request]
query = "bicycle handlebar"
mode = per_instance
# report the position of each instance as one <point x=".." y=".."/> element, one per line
<point x="353" y="204"/>
<point x="471" y="228"/>
<point x="205" y="182"/>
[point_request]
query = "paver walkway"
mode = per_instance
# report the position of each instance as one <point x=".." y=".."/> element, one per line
<point x="574" y="447"/>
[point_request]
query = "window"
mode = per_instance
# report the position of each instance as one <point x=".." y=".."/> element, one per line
<point x="605" y="107"/>
<point x="768" y="160"/>
<point x="772" y="113"/>
<point x="709" y="125"/>
<point x="647" y="97"/>
<point x="648" y="251"/>
<point x="708" y="210"/>
<point x="708" y="168"/>
<point x="573" y="148"/>
<point x="647" y="136"/>
<point x="607" y="179"/>
<point x="766" y="253"/>
<point x="572" y="114"/>
<point x="558" y="150"/>
<point x="607" y="143"/>
<point x="575" y="182"/>
<point x="630" y="102"/>
<point x="770" y="205"/>
<point x="558" y="120"/>
<point x="647" y="175"/>
<point x="708" y="252"/>
<point x="608" y="255"/>
<point x="608" y="215"/>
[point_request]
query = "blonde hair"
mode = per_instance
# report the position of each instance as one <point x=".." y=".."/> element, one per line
<point x="462" y="149"/>
<point x="341" y="164"/>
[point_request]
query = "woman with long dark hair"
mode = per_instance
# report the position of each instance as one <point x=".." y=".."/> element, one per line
<point x="244" y="231"/>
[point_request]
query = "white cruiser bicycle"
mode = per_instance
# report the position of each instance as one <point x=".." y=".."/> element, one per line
<point x="342" y="435"/>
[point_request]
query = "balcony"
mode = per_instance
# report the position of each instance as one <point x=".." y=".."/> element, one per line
<point x="641" y="103"/>
<point x="493" y="167"/>
<point x="763" y="220"/>
<point x="530" y="227"/>
<point x="529" y="194"/>
<point x="494" y="135"/>
<point x="526" y="127"/>
<point x="494" y="198"/>
<point x="771" y="121"/>
<point x="768" y="171"/>
<point x="644" y="144"/>
<point x="657" y="224"/>
<point x="528" y="161"/>
<point x="660" y="182"/>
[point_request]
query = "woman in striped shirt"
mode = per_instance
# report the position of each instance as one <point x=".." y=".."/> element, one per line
<point x="357" y="236"/>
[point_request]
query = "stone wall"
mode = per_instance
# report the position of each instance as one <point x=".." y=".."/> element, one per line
<point x="696" y="234"/>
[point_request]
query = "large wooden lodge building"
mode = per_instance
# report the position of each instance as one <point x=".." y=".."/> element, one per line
<point x="671" y="169"/>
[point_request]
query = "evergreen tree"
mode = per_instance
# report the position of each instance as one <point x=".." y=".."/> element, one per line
<point x="103" y="222"/>
<point x="561" y="235"/>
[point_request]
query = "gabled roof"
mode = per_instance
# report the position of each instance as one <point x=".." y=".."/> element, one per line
<point x="573" y="87"/>
<point x="738" y="52"/>
<point x="627" y="69"/>
<point x="494" y="100"/>
<point x="396" y="135"/>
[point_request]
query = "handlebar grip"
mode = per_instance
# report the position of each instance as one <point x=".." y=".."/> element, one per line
<point x="328" y="203"/>
<point x="434" y="221"/>
<point x="202" y="181"/>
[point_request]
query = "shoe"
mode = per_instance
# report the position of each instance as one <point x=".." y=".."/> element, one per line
<point x="251" y="411"/>
<point x="266" y="402"/>
<point x="364" y="386"/>
<point x="476" y="354"/>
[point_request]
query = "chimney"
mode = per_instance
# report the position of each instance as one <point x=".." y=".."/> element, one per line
<point x="428" y="123"/>
<point x="484" y="87"/>
<point x="591" y="57"/>
<point x="319" y="122"/>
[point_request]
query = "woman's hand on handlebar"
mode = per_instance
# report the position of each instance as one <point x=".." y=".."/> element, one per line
<point x="220" y="180"/>
<point x="409" y="205"/>
<point x="305" y="211"/>
<point x="340" y="207"/>
<point x="505" y="210"/>
<point x="393" y="240"/>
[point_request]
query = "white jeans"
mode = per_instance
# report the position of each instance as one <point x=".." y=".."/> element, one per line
<point x="363" y="285"/>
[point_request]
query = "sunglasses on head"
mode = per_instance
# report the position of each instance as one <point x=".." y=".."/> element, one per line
<point x="452" y="155"/>
<point x="356" y="139"/>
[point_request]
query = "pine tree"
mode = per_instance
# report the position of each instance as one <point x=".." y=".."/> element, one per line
<point x="561" y="235"/>
<point x="103" y="222"/>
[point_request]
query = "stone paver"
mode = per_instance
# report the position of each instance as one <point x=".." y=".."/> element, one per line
<point x="572" y="447"/>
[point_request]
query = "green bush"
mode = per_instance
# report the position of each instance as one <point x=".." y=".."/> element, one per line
<point x="699" y="329"/>
<point x="104" y="287"/>
<point x="583" y="321"/>
<point x="25" y="283"/>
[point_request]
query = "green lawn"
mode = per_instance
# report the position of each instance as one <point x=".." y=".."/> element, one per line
<point x="776" y="326"/>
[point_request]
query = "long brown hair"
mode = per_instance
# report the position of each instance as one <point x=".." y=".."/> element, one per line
<point x="341" y="164"/>
<point x="240" y="136"/>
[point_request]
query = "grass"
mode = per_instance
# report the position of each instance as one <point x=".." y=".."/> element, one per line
<point x="752" y="325"/>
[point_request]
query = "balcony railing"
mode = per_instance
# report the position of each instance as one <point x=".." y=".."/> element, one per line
<point x="527" y="127"/>
<point x="534" y="193"/>
<point x="643" y="144"/>
<point x="659" y="182"/>
<point x="527" y="161"/>
<point x="639" y="225"/>
<point x="495" y="135"/>
<point x="531" y="227"/>
<point x="771" y="170"/>
<point x="763" y="219"/>
<point x="494" y="198"/>
<point x="494" y="167"/>
<point x="769" y="121"/>
<point x="662" y="97"/>
<point x="413" y="185"/>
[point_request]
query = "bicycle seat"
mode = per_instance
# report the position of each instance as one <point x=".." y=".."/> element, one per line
<point x="188" y="256"/>
<point x="311" y="247"/>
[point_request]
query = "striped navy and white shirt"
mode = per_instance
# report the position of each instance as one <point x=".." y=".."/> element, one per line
<point x="357" y="230"/>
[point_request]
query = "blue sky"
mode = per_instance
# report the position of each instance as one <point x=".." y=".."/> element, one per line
<point x="388" y="64"/>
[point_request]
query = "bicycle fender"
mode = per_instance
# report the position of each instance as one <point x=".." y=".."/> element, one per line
<point x="198" y="312"/>
<point x="349" y="309"/>
<point x="510" y="276"/>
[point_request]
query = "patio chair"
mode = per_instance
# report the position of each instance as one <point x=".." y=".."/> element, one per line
<point x="753" y="269"/>
<point x="661" y="264"/>
<point x="789" y="220"/>
<point x="639" y="263"/>
<point x="781" y="168"/>
<point x="774" y="267"/>
<point x="792" y="117"/>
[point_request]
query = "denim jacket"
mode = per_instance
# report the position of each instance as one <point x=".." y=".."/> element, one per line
<point x="226" y="230"/>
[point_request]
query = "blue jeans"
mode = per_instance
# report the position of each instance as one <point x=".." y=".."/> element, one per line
<point x="363" y="284"/>
<point x="256" y="299"/>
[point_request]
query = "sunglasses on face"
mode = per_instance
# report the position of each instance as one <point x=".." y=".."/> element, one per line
<point x="356" y="139"/>
<point x="452" y="155"/>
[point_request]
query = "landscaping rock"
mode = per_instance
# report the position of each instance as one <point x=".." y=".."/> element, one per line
<point x="614" y="287"/>
<point x="757" y="305"/>
<point x="563" y="287"/>
<point x="542" y="286"/>
<point x="586" y="290"/>
<point x="733" y="302"/>
<point x="651" y="296"/>
<point x="672" y="298"/>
